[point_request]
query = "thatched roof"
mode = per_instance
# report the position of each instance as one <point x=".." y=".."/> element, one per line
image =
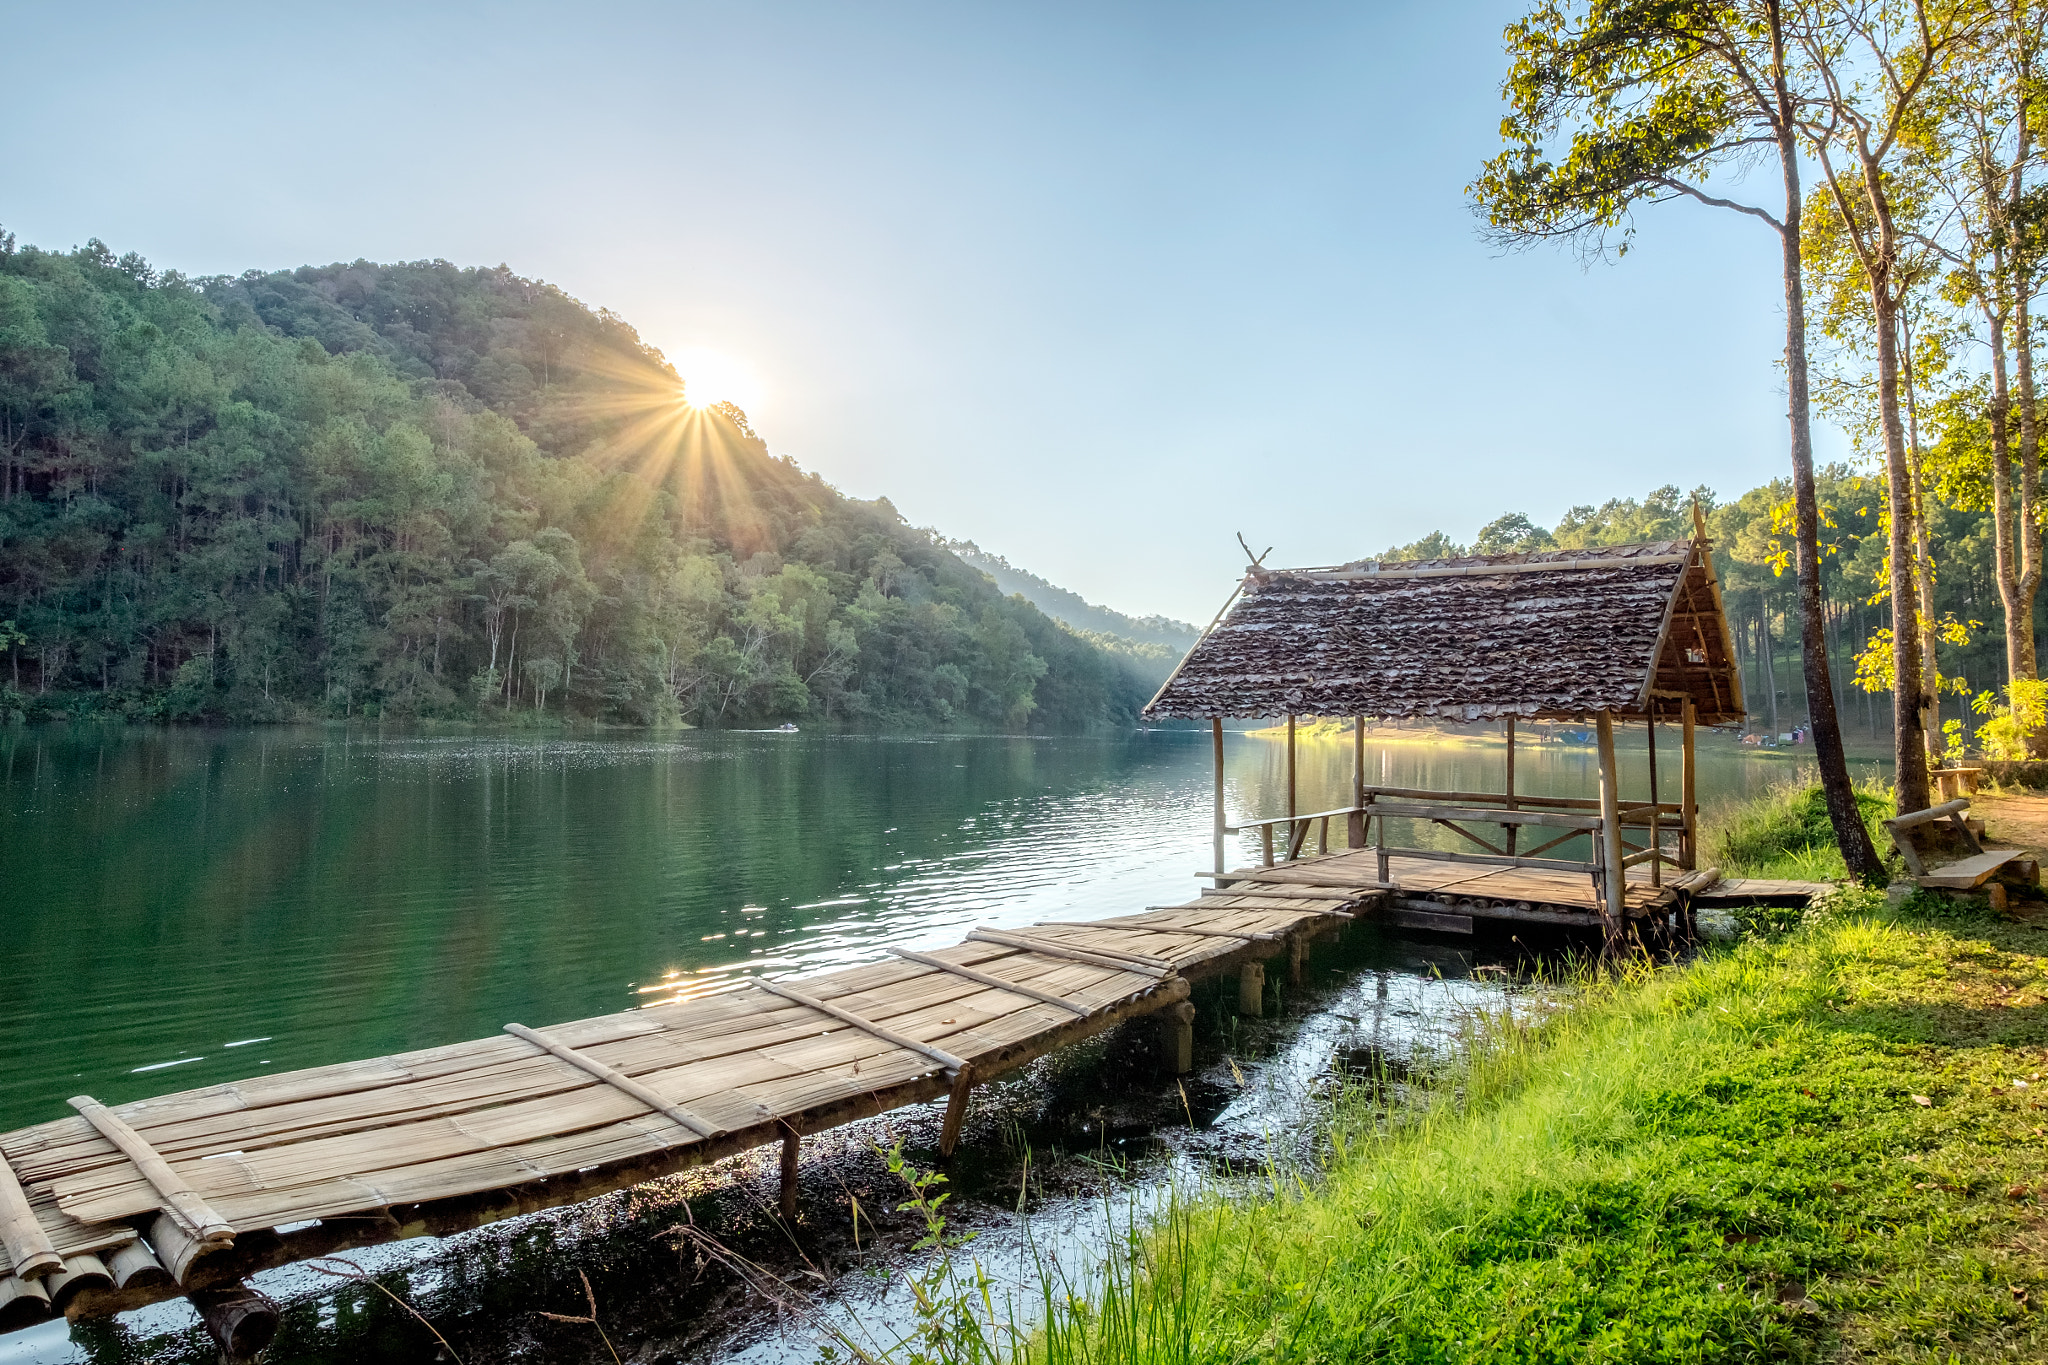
<point x="1560" y="633"/>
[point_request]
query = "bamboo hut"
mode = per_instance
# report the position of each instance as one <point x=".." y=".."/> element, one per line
<point x="1620" y="634"/>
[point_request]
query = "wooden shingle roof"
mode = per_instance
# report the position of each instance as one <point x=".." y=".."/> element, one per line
<point x="1558" y="633"/>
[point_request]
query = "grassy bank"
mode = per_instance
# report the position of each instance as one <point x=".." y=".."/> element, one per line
<point x="1785" y="833"/>
<point x="1824" y="1146"/>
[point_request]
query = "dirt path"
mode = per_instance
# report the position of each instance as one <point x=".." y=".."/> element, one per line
<point x="2016" y="820"/>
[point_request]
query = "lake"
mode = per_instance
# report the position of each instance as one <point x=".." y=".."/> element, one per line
<point x="189" y="906"/>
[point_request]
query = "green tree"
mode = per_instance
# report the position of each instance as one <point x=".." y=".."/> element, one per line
<point x="1618" y="103"/>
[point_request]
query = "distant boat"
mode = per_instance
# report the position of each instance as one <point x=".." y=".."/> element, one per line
<point x="787" y="727"/>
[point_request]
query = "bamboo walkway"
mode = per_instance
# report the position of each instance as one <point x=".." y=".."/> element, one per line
<point x="115" y="1207"/>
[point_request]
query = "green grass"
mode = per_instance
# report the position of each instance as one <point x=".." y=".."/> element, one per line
<point x="1725" y="1161"/>
<point x="1786" y="834"/>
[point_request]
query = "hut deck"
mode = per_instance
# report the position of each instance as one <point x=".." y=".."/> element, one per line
<point x="309" y="1162"/>
<point x="1498" y="892"/>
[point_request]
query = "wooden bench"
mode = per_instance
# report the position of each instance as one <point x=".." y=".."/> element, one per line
<point x="1954" y="782"/>
<point x="1971" y="872"/>
<point x="1968" y="873"/>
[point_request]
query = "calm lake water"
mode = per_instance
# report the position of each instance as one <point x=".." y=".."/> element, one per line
<point x="183" y="907"/>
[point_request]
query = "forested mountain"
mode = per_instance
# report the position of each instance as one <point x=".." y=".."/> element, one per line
<point x="1149" y="645"/>
<point x="418" y="490"/>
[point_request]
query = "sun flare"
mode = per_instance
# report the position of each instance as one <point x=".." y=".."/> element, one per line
<point x="711" y="377"/>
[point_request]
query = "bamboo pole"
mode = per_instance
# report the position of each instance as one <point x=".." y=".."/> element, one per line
<point x="1688" y="846"/>
<point x="1656" y="863"/>
<point x="1290" y="787"/>
<point x="1355" y="823"/>
<point x="1512" y="831"/>
<point x="1216" y="740"/>
<point x="1613" y="873"/>
<point x="21" y="1232"/>
<point x="204" y="1225"/>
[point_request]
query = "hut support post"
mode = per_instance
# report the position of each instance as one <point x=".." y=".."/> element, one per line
<point x="1512" y="830"/>
<point x="1356" y="822"/>
<point x="1291" y="844"/>
<point x="1688" y="839"/>
<point x="1614" y="874"/>
<point x="1656" y="834"/>
<point x="1216" y="741"/>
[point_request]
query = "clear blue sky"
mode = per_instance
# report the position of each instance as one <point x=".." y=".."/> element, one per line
<point x="1095" y="285"/>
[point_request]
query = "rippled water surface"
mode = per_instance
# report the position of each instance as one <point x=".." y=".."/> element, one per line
<point x="184" y="907"/>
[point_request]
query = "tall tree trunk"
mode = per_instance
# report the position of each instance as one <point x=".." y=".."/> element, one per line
<point x="1851" y="834"/>
<point x="2005" y="552"/>
<point x="1923" y="559"/>
<point x="2020" y="623"/>
<point x="1770" y="666"/>
<point x="1909" y="751"/>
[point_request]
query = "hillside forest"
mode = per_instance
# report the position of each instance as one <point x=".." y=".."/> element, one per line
<point x="423" y="491"/>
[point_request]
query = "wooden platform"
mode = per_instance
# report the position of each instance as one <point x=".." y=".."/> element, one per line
<point x="1469" y="890"/>
<point x="114" y="1208"/>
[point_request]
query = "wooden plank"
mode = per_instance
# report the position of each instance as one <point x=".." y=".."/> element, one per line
<point x="1121" y="961"/>
<point x="988" y="979"/>
<point x="592" y="1066"/>
<point x="1970" y="872"/>
<point x="937" y="1054"/>
<point x="1142" y="927"/>
<point x="179" y="1200"/>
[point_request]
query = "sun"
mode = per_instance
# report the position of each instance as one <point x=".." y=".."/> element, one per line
<point x="711" y="377"/>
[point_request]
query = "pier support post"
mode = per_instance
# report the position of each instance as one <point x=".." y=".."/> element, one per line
<point x="956" y="1111"/>
<point x="1251" y="989"/>
<point x="1615" y="892"/>
<point x="1216" y="739"/>
<point x="1177" y="1038"/>
<point x="241" y="1321"/>
<point x="1356" y="822"/>
<point x="1512" y="830"/>
<point x="1291" y="844"/>
<point x="1688" y="839"/>
<point x="1297" y="958"/>
<point x="792" y="1149"/>
<point x="1656" y="833"/>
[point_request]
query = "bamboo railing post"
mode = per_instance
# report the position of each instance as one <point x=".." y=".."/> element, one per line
<point x="1688" y="841"/>
<point x="1356" y="823"/>
<point x="1216" y="740"/>
<point x="1511" y="830"/>
<point x="1613" y="874"/>
<point x="1656" y="847"/>
<point x="1290" y="787"/>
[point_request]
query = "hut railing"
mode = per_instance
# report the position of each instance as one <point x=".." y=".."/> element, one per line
<point x="1285" y="838"/>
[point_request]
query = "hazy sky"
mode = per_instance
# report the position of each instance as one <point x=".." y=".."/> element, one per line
<point x="1094" y="285"/>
